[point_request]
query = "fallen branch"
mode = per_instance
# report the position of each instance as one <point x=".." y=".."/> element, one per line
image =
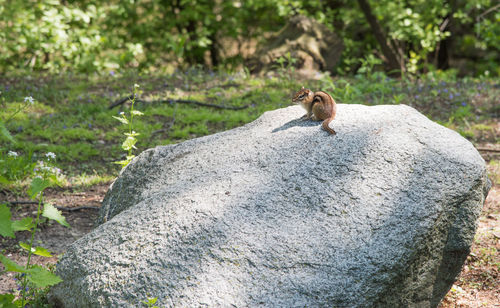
<point x="173" y="101"/>
<point x="62" y="208"/>
<point x="488" y="149"/>
<point x="120" y="101"/>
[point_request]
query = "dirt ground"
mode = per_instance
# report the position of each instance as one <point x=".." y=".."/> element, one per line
<point x="477" y="286"/>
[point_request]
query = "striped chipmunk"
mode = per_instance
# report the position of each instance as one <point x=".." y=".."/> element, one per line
<point x="320" y="106"/>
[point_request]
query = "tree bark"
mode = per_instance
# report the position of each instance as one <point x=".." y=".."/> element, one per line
<point x="390" y="55"/>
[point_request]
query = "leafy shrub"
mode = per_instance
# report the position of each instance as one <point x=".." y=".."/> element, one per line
<point x="90" y="36"/>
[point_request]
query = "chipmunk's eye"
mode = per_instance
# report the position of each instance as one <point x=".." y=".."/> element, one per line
<point x="302" y="96"/>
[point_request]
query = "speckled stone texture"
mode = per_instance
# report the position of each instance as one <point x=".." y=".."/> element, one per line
<point x="278" y="213"/>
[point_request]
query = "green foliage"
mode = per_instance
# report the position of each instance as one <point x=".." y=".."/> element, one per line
<point x="48" y="35"/>
<point x="130" y="137"/>
<point x="286" y="68"/>
<point x="34" y="277"/>
<point x="11" y="266"/>
<point x="42" y="277"/>
<point x="109" y="36"/>
<point x="14" y="167"/>
<point x="150" y="302"/>
<point x="50" y="212"/>
<point x="39" y="251"/>
<point x="37" y="186"/>
<point x="4" y="132"/>
<point x="6" y="301"/>
<point x="8" y="227"/>
<point x="24" y="224"/>
<point x="5" y="224"/>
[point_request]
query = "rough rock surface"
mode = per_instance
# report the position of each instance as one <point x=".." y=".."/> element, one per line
<point x="278" y="213"/>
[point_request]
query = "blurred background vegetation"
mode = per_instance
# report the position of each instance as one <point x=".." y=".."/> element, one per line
<point x="86" y="36"/>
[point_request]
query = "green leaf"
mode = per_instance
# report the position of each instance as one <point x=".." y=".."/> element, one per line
<point x="4" y="180"/>
<point x="40" y="251"/>
<point x="121" y="119"/>
<point x="26" y="246"/>
<point x="150" y="302"/>
<point x="51" y="212"/>
<point x="129" y="143"/>
<point x="132" y="134"/>
<point x="6" y="301"/>
<point x="122" y="163"/>
<point x="41" y="277"/>
<point x="23" y="224"/>
<point x="5" y="132"/>
<point x="37" y="185"/>
<point x="11" y="266"/>
<point x="5" y="223"/>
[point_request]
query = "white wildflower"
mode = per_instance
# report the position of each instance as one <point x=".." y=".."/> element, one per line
<point x="136" y="86"/>
<point x="29" y="99"/>
<point x="50" y="155"/>
<point x="13" y="154"/>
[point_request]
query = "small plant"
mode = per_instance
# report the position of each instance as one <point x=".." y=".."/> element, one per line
<point x="285" y="68"/>
<point x="15" y="167"/>
<point x="4" y="132"/>
<point x="33" y="279"/>
<point x="150" y="302"/>
<point x="368" y="64"/>
<point x="129" y="144"/>
<point x="12" y="165"/>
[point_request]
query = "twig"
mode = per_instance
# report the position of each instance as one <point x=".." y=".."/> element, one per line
<point x="120" y="101"/>
<point x="491" y="9"/>
<point x="62" y="208"/>
<point x="227" y="85"/>
<point x="184" y="101"/>
<point x="488" y="149"/>
<point x="180" y="101"/>
<point x="478" y="18"/>
<point x="77" y="208"/>
<point x="444" y="24"/>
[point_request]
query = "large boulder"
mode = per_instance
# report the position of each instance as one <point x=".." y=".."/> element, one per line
<point x="278" y="213"/>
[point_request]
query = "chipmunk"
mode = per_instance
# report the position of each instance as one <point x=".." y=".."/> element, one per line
<point x="319" y="106"/>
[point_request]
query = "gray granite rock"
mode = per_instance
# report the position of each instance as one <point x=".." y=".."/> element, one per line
<point x="278" y="213"/>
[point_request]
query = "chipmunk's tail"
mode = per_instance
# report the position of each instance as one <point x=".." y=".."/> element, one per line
<point x="327" y="121"/>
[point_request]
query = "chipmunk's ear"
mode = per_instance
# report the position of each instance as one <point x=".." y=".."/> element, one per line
<point x="302" y="88"/>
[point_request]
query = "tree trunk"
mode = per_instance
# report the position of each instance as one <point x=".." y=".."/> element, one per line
<point x="390" y="55"/>
<point x="214" y="49"/>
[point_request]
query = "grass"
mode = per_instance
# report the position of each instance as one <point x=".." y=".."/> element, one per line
<point x="71" y="116"/>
